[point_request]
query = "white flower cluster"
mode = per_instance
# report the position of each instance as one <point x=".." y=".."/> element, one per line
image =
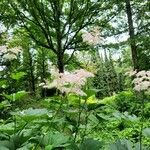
<point x="9" y="54"/>
<point x="3" y="49"/>
<point x="69" y="83"/>
<point x="141" y="81"/>
<point x="93" y="37"/>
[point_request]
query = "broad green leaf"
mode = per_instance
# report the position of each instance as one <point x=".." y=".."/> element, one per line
<point x="104" y="117"/>
<point x="4" y="104"/>
<point x="7" y="128"/>
<point x="121" y="145"/>
<point x="90" y="100"/>
<point x="31" y="114"/>
<point x="73" y="99"/>
<point x="90" y="144"/>
<point x="146" y="132"/>
<point x="49" y="147"/>
<point x="7" y="145"/>
<point x="55" y="140"/>
<point x="4" y="148"/>
<point x="93" y="119"/>
<point x="137" y="146"/>
<point x="91" y="92"/>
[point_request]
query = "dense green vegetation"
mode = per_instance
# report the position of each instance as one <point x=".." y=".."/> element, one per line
<point x="74" y="75"/>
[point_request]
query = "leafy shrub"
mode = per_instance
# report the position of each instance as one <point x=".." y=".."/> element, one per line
<point x="16" y="96"/>
<point x="147" y="110"/>
<point x="127" y="101"/>
<point x="108" y="100"/>
<point x="124" y="101"/>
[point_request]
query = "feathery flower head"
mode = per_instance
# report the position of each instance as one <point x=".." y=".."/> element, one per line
<point x="70" y="82"/>
<point x="9" y="56"/>
<point x="142" y="81"/>
<point x="3" y="49"/>
<point x="15" y="50"/>
<point x="93" y="37"/>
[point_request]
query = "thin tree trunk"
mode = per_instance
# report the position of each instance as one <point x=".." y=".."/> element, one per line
<point x="43" y="66"/>
<point x="32" y="81"/>
<point x="132" y="35"/>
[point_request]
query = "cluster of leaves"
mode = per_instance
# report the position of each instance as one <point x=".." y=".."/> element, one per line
<point x="49" y="128"/>
<point x="74" y="123"/>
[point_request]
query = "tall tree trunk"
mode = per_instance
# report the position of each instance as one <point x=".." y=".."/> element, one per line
<point x="43" y="76"/>
<point x="60" y="53"/>
<point x="32" y="81"/>
<point x="60" y="63"/>
<point x="132" y="35"/>
<point x="32" y="78"/>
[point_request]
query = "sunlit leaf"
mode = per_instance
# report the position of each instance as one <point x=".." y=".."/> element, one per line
<point x="18" y="75"/>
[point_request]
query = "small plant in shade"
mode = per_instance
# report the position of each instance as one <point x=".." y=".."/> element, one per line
<point x="141" y="84"/>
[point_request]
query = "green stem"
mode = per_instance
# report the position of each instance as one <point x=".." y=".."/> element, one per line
<point x="142" y="118"/>
<point x="23" y="128"/>
<point x="15" y="125"/>
<point x="79" y="119"/>
<point x="57" y="111"/>
<point x="86" y="122"/>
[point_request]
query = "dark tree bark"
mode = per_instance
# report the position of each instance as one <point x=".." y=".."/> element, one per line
<point x="32" y="78"/>
<point x="30" y="72"/>
<point x="132" y="35"/>
<point x="60" y="63"/>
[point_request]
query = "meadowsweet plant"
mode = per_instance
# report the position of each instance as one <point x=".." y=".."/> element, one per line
<point x="9" y="56"/>
<point x="92" y="37"/>
<point x="141" y="81"/>
<point x="141" y="84"/>
<point x="3" y="49"/>
<point x="10" y="53"/>
<point x="70" y="82"/>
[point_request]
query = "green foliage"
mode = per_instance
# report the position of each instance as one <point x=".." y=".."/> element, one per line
<point x="106" y="78"/>
<point x="17" y="76"/>
<point x="147" y="110"/>
<point x="59" y="122"/>
<point x="31" y="114"/>
<point x="54" y="140"/>
<point x="146" y="132"/>
<point x="50" y="33"/>
<point x="16" y="96"/>
<point x="108" y="100"/>
<point x="3" y="83"/>
<point x="124" y="102"/>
